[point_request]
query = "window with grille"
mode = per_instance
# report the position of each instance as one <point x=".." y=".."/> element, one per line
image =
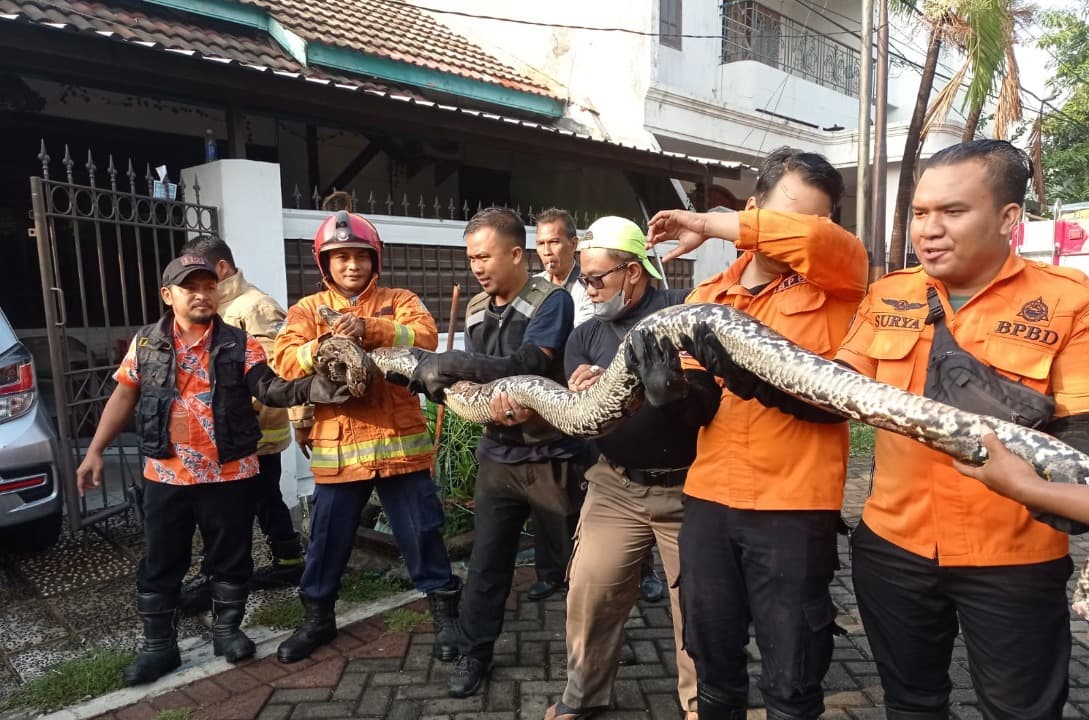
<point x="669" y="23"/>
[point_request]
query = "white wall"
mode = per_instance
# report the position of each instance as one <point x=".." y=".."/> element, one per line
<point x="605" y="75"/>
<point x="697" y="71"/>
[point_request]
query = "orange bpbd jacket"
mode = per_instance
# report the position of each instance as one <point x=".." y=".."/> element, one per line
<point x="1031" y="324"/>
<point x="383" y="433"/>
<point x="756" y="458"/>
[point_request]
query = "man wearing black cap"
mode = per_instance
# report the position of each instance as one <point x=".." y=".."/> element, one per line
<point x="190" y="378"/>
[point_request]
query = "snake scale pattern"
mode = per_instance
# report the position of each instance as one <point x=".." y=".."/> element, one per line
<point x="776" y="360"/>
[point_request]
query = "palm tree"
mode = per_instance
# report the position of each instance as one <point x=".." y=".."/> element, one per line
<point x="984" y="30"/>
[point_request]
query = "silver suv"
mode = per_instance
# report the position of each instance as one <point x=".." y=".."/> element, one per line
<point x="30" y="495"/>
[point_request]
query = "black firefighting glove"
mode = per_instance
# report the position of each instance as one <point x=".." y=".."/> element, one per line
<point x="274" y="391"/>
<point x="437" y="371"/>
<point x="706" y="348"/>
<point x="657" y="363"/>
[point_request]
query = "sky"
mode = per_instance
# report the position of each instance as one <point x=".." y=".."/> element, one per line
<point x="1032" y="61"/>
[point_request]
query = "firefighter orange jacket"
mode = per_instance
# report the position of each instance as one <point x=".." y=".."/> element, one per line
<point x="383" y="433"/>
<point x="1032" y="325"/>
<point x="751" y="457"/>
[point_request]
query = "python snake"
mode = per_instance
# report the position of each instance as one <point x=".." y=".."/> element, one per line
<point x="774" y="359"/>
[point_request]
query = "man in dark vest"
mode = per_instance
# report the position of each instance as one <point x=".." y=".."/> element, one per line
<point x="518" y="325"/>
<point x="190" y="378"/>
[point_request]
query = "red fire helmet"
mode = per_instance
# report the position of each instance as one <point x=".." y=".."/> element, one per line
<point x="344" y="229"/>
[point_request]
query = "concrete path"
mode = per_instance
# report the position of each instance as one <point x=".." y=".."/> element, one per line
<point x="374" y="672"/>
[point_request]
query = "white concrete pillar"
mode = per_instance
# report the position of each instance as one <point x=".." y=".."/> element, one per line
<point x="251" y="221"/>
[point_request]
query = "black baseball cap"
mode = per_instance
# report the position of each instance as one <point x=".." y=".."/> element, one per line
<point x="184" y="266"/>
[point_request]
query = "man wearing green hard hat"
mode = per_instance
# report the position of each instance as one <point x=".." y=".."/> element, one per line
<point x="634" y="489"/>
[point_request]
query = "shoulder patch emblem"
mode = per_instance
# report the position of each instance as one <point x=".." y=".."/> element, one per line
<point x="901" y="305"/>
<point x="1034" y="310"/>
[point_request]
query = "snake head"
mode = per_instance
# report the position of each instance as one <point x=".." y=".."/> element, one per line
<point x="657" y="363"/>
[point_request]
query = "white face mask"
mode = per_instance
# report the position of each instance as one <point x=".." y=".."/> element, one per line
<point x="610" y="309"/>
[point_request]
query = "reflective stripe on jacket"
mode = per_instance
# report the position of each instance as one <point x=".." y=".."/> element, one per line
<point x="383" y="433"/>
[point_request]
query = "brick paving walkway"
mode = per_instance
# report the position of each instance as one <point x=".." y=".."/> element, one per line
<point x="373" y="672"/>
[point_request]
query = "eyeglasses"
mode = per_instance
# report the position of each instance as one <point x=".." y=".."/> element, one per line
<point x="598" y="281"/>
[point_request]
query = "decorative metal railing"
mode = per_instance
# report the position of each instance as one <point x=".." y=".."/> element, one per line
<point x="751" y="31"/>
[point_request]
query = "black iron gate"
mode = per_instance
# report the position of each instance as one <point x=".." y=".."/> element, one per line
<point x="102" y="250"/>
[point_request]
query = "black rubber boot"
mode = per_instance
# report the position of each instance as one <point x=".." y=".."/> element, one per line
<point x="159" y="654"/>
<point x="716" y="704"/>
<point x="286" y="568"/>
<point x="228" y="608"/>
<point x="319" y="628"/>
<point x="444" y="615"/>
<point x="196" y="595"/>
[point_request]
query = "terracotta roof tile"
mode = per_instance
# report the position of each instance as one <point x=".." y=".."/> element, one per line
<point x="398" y="32"/>
<point x="167" y="29"/>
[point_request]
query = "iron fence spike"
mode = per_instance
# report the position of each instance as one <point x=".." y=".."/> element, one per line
<point x="316" y="197"/>
<point x="91" y="167"/>
<point x="181" y="189"/>
<point x="532" y="216"/>
<point x="438" y="208"/>
<point x="111" y="171"/>
<point x="453" y="209"/>
<point x="404" y="204"/>
<point x="389" y="203"/>
<point x="150" y="179"/>
<point x="43" y="157"/>
<point x="298" y="197"/>
<point x="131" y="175"/>
<point x="196" y="189"/>
<point x="370" y="201"/>
<point x="68" y="163"/>
<point x="465" y="210"/>
<point x="421" y="206"/>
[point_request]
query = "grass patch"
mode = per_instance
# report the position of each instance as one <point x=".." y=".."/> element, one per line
<point x="455" y="465"/>
<point x="403" y="619"/>
<point x="94" y="673"/>
<point x="174" y="714"/>
<point x="861" y="439"/>
<point x="284" y="614"/>
<point x="356" y="587"/>
<point x="360" y="587"/>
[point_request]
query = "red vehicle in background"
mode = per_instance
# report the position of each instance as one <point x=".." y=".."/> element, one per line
<point x="1063" y="241"/>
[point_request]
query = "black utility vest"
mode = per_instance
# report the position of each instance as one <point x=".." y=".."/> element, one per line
<point x="502" y="334"/>
<point x="235" y="421"/>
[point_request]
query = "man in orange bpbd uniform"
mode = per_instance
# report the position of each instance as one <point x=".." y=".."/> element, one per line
<point x="762" y="498"/>
<point x="190" y="379"/>
<point x="935" y="549"/>
<point x="378" y="442"/>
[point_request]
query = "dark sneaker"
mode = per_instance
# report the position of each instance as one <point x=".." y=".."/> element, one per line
<point x="542" y="589"/>
<point x="652" y="587"/>
<point x="467" y="676"/>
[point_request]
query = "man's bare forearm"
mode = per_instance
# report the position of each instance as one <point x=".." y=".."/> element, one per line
<point x="115" y="415"/>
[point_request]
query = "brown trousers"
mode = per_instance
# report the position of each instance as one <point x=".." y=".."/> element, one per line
<point x="620" y="521"/>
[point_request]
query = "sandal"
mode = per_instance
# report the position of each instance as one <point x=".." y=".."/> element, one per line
<point x="559" y="711"/>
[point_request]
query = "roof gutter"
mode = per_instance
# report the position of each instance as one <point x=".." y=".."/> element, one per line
<point x="353" y="61"/>
<point x="245" y="15"/>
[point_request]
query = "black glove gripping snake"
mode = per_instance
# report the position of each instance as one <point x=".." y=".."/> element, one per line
<point x="774" y="359"/>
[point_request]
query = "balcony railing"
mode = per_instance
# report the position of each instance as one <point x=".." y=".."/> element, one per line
<point x="751" y="31"/>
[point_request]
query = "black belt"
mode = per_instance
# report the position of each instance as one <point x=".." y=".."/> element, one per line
<point x="657" y="478"/>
